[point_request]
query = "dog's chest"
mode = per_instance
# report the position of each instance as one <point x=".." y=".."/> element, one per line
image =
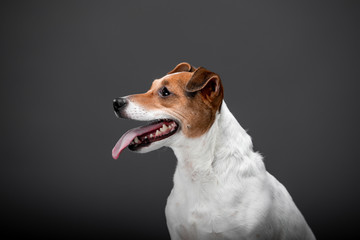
<point x="192" y="216"/>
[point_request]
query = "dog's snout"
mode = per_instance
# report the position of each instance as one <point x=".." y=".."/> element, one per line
<point x="118" y="104"/>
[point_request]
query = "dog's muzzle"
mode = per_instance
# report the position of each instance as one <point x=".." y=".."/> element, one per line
<point x="119" y="104"/>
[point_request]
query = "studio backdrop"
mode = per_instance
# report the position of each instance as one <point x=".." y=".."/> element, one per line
<point x="290" y="72"/>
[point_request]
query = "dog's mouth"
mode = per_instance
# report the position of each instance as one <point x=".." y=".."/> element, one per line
<point x="143" y="136"/>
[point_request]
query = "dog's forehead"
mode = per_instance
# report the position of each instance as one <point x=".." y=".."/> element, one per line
<point x="173" y="79"/>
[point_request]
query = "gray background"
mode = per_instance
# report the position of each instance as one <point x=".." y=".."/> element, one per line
<point x="290" y="72"/>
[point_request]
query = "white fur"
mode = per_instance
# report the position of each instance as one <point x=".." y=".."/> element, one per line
<point x="221" y="187"/>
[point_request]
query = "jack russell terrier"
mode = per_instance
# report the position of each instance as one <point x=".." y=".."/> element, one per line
<point x="221" y="187"/>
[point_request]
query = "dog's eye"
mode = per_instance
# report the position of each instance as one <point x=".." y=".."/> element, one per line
<point x="164" y="92"/>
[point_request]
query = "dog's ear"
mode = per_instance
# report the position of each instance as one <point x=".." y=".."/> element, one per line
<point x="208" y="83"/>
<point x="182" y="67"/>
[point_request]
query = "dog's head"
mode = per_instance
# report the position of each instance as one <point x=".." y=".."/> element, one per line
<point x="185" y="101"/>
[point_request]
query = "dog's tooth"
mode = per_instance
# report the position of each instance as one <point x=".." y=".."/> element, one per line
<point x="151" y="135"/>
<point x="136" y="140"/>
<point x="164" y="128"/>
<point x="157" y="133"/>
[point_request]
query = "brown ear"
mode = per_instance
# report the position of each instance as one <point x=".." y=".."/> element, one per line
<point x="208" y="83"/>
<point x="182" y="67"/>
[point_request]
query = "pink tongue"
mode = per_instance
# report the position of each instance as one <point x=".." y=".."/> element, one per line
<point x="126" y="139"/>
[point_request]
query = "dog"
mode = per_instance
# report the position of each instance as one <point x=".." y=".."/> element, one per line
<point x="221" y="187"/>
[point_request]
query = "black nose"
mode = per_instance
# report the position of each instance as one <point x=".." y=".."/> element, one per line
<point x="119" y="103"/>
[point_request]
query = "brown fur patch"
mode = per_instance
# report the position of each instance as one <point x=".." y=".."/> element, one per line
<point x="182" y="67"/>
<point x="196" y="111"/>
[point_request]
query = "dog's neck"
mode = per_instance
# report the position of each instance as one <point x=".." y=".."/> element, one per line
<point x="210" y="157"/>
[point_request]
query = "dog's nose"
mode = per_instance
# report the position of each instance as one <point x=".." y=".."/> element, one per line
<point x="119" y="103"/>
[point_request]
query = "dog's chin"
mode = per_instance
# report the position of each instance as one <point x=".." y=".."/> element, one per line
<point x="152" y="146"/>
